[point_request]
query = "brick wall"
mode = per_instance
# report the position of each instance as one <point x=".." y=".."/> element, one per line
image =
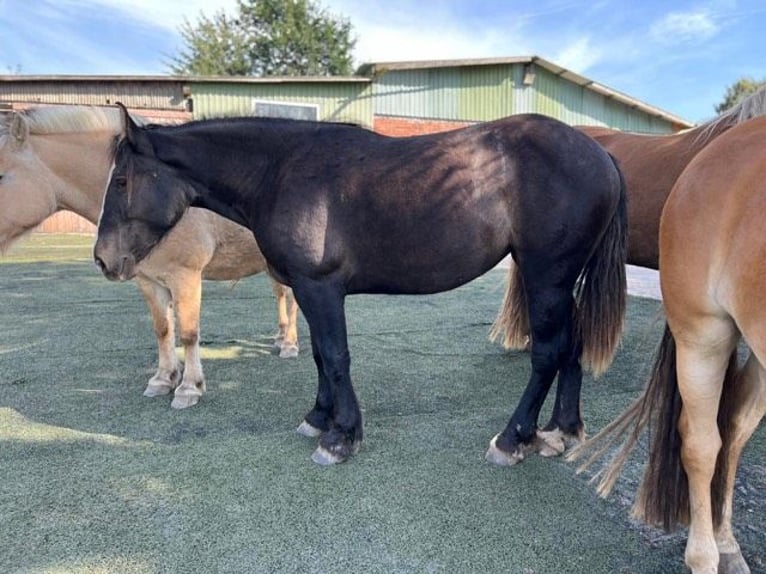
<point x="398" y="126"/>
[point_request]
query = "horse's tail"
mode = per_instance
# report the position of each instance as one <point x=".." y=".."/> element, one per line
<point x="512" y="322"/>
<point x="601" y="292"/>
<point x="663" y="496"/>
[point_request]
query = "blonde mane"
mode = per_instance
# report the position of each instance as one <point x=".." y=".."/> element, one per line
<point x="752" y="106"/>
<point x="66" y="119"/>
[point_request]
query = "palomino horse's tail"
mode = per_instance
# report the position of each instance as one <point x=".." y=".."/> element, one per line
<point x="600" y="296"/>
<point x="663" y="496"/>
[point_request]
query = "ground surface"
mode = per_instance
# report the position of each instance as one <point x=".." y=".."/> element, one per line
<point x="96" y="478"/>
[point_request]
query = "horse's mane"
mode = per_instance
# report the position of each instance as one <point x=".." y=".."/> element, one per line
<point x="750" y="107"/>
<point x="66" y="119"/>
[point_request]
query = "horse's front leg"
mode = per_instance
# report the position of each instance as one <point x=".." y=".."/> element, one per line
<point x="159" y="301"/>
<point x="187" y="296"/>
<point x="323" y="306"/>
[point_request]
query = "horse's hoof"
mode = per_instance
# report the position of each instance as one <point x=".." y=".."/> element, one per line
<point x="732" y="563"/>
<point x="324" y="457"/>
<point x="187" y="395"/>
<point x="288" y="351"/>
<point x="502" y="458"/>
<point x="305" y="429"/>
<point x="550" y="443"/>
<point x="158" y="389"/>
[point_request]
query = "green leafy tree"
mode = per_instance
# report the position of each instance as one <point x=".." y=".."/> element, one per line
<point x="267" y="38"/>
<point x="737" y="92"/>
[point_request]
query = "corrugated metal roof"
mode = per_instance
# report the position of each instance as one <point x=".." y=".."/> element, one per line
<point x="374" y="69"/>
<point x="192" y="79"/>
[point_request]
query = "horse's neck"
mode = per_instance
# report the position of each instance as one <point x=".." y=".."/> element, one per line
<point x="79" y="165"/>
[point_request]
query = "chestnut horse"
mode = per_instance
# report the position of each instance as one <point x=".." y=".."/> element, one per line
<point x="58" y="157"/>
<point x="704" y="408"/>
<point x="652" y="163"/>
<point x="373" y="214"/>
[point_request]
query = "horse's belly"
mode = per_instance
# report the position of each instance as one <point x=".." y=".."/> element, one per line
<point x="236" y="253"/>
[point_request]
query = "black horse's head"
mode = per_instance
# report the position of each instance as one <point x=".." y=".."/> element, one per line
<point x="144" y="199"/>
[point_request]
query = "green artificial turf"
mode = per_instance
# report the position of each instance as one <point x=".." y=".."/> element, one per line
<point x="96" y="478"/>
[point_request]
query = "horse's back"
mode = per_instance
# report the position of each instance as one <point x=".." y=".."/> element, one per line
<point x="429" y="213"/>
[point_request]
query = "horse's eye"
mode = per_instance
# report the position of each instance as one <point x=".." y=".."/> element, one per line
<point x="1" y="177"/>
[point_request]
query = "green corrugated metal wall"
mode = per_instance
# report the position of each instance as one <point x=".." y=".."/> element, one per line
<point x="336" y="101"/>
<point x="481" y="93"/>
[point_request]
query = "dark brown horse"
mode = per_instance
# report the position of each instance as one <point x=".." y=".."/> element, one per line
<point x="651" y="165"/>
<point x="702" y="406"/>
<point x="372" y="214"/>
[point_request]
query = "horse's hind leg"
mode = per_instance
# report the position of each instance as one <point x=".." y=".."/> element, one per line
<point x="187" y="294"/>
<point x="701" y="366"/>
<point x="565" y="426"/>
<point x="286" y="340"/>
<point x="748" y="407"/>
<point x="550" y="320"/>
<point x="159" y="301"/>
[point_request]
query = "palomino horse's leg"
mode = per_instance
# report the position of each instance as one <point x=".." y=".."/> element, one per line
<point x="187" y="295"/>
<point x="322" y="305"/>
<point x="748" y="410"/>
<point x="565" y="426"/>
<point x="550" y="320"/>
<point x="287" y="314"/>
<point x="701" y="368"/>
<point x="159" y="301"/>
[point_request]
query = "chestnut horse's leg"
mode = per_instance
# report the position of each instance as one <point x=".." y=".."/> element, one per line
<point x="551" y="325"/>
<point x="159" y="301"/>
<point x="747" y="411"/>
<point x="287" y="315"/>
<point x="187" y="295"/>
<point x="322" y="303"/>
<point x="701" y="368"/>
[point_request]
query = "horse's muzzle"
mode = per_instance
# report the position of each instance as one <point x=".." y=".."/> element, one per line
<point x="118" y="268"/>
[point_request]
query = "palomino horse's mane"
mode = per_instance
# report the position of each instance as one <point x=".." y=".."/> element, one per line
<point x="750" y="107"/>
<point x="65" y="119"/>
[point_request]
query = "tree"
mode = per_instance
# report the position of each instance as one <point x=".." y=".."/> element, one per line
<point x="738" y="91"/>
<point x="267" y="38"/>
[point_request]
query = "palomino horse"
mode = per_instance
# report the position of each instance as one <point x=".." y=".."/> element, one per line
<point x="652" y="163"/>
<point x="372" y="214"/>
<point x="57" y="158"/>
<point x="712" y="273"/>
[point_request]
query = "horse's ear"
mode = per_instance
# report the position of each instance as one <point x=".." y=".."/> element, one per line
<point x="133" y="133"/>
<point x="19" y="129"/>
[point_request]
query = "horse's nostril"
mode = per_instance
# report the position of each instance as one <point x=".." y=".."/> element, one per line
<point x="99" y="263"/>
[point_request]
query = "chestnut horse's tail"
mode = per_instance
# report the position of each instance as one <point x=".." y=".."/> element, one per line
<point x="600" y="296"/>
<point x="663" y="496"/>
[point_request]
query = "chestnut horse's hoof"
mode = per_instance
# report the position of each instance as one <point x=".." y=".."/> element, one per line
<point x="502" y="458"/>
<point x="305" y="429"/>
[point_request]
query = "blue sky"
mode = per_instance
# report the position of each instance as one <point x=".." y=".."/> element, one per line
<point x="677" y="55"/>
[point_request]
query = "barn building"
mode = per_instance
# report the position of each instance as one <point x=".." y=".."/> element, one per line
<point x="392" y="98"/>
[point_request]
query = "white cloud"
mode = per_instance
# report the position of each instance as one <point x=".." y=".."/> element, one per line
<point x="167" y="14"/>
<point x="682" y="27"/>
<point x="579" y="55"/>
